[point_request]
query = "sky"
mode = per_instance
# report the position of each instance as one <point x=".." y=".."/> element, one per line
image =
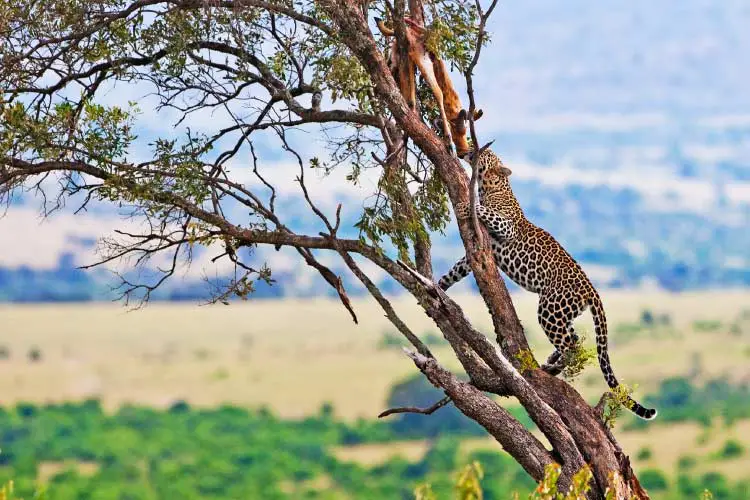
<point x="666" y="71"/>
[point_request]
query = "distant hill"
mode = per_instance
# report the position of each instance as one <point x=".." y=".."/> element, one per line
<point x="627" y="127"/>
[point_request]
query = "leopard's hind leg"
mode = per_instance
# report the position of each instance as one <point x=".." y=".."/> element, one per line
<point x="556" y="314"/>
<point x="554" y="364"/>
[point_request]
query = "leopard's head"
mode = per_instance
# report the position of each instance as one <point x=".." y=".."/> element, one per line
<point x="492" y="173"/>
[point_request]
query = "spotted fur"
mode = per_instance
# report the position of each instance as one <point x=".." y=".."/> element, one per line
<point x="533" y="259"/>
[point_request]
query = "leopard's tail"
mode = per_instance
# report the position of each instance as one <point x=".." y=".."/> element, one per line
<point x="600" y="327"/>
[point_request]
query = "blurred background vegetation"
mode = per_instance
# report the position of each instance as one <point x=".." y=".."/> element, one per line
<point x="147" y="404"/>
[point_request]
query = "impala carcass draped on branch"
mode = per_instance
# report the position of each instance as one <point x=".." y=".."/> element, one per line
<point x="255" y="94"/>
<point x="453" y="116"/>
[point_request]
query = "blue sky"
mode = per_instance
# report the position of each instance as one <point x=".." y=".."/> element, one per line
<point x="579" y="75"/>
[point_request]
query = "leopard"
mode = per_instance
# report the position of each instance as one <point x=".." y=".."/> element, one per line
<point x="533" y="259"/>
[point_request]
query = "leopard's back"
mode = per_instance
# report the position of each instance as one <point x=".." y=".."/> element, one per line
<point x="536" y="261"/>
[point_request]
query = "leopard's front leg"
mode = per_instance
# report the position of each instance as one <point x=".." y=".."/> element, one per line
<point x="461" y="268"/>
<point x="501" y="227"/>
<point x="499" y="224"/>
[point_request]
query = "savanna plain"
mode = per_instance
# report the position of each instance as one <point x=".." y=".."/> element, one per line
<point x="304" y="360"/>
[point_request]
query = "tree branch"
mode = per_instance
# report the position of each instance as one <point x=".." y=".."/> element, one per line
<point x="526" y="449"/>
<point x="544" y="417"/>
<point x="414" y="409"/>
<point x="358" y="38"/>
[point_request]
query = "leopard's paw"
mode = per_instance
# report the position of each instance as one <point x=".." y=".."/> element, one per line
<point x="554" y="369"/>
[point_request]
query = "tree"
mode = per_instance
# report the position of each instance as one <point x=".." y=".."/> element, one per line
<point x="257" y="63"/>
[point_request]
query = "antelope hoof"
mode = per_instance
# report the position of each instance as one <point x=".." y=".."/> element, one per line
<point x="437" y="124"/>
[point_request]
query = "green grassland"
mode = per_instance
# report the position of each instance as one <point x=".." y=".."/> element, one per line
<point x="293" y="356"/>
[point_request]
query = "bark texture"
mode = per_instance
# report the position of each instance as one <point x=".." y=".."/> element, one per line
<point x="575" y="430"/>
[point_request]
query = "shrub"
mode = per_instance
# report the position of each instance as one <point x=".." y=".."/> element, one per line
<point x="675" y="392"/>
<point x="35" y="354"/>
<point x="717" y="484"/>
<point x="731" y="449"/>
<point x="665" y="319"/>
<point x="653" y="479"/>
<point x="179" y="406"/>
<point x="644" y="453"/>
<point x="688" y="486"/>
<point x="683" y="400"/>
<point x="617" y="399"/>
<point x="26" y="410"/>
<point x="433" y="339"/>
<point x="389" y="340"/>
<point x="326" y="410"/>
<point x="706" y="325"/>
<point x="547" y="488"/>
<point x="647" y="317"/>
<point x="686" y="462"/>
<point x="7" y="492"/>
<point x="577" y="359"/>
<point x="468" y="487"/>
<point x="468" y="482"/>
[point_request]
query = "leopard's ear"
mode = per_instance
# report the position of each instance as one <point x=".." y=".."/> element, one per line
<point x="505" y="171"/>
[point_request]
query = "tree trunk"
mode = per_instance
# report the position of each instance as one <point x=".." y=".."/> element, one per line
<point x="575" y="430"/>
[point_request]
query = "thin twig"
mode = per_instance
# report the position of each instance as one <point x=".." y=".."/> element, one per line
<point x="375" y="291"/>
<point x="414" y="409"/>
<point x="483" y="17"/>
<point x="473" y="194"/>
<point x="332" y="279"/>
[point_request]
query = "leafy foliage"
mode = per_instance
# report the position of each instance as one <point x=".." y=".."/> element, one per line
<point x="225" y="452"/>
<point x="254" y="70"/>
<point x="547" y="488"/>
<point x="617" y="399"/>
<point x="8" y="492"/>
<point x="644" y="453"/>
<point x="526" y="359"/>
<point x="452" y="31"/>
<point x="653" y="480"/>
<point x="578" y="358"/>
<point x="468" y="482"/>
<point x="731" y="449"/>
